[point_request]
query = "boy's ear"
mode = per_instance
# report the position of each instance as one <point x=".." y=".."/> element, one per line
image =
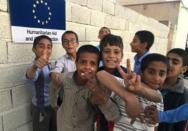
<point x="34" y="50"/>
<point x="145" y="44"/>
<point x="77" y="44"/>
<point x="184" y="69"/>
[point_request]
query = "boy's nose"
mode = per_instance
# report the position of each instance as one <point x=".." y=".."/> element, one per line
<point x="156" y="78"/>
<point x="87" y="66"/>
<point x="111" y="54"/>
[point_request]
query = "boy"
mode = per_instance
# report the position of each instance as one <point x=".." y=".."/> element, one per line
<point x="141" y="44"/>
<point x="77" y="111"/>
<point x="174" y="92"/>
<point x="154" y="69"/>
<point x="111" y="50"/>
<point x="67" y="62"/>
<point x="38" y="75"/>
<point x="103" y="32"/>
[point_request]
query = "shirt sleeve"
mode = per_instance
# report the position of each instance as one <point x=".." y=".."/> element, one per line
<point x="110" y="110"/>
<point x="176" y="115"/>
<point x="35" y="76"/>
<point x="54" y="91"/>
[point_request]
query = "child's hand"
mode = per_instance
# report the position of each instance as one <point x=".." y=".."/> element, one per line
<point x="91" y="80"/>
<point x="40" y="63"/>
<point x="55" y="78"/>
<point x="42" y="60"/>
<point x="126" y="76"/>
<point x="98" y="96"/>
<point x="134" y="84"/>
<point x="131" y="80"/>
<point x="151" y="114"/>
<point x="45" y="55"/>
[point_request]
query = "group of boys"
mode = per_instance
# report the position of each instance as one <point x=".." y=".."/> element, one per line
<point x="109" y="95"/>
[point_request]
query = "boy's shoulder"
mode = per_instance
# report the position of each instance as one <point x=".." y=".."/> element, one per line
<point x="64" y="57"/>
<point x="139" y="58"/>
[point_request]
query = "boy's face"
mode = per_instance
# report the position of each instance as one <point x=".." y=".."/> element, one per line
<point x="137" y="46"/>
<point x="111" y="56"/>
<point x="103" y="32"/>
<point x="155" y="74"/>
<point x="176" y="65"/>
<point x="70" y="43"/>
<point x="87" y="63"/>
<point x="44" y="47"/>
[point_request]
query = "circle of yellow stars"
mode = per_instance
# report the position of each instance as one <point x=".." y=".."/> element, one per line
<point x="39" y="21"/>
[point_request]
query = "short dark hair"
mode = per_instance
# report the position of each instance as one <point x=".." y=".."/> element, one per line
<point x="145" y="36"/>
<point x="89" y="49"/>
<point x="39" y="38"/>
<point x="182" y="53"/>
<point x="152" y="58"/>
<point x="112" y="40"/>
<point x="69" y="32"/>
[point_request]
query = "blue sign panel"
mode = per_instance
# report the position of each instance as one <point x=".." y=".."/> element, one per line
<point x="48" y="14"/>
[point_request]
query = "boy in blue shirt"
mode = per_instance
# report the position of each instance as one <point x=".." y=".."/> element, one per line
<point x="44" y="117"/>
<point x="141" y="44"/>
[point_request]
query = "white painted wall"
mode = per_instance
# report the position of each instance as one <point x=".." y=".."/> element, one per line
<point x="135" y="2"/>
<point x="182" y="28"/>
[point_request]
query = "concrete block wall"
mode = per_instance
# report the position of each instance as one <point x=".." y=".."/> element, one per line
<point x="84" y="17"/>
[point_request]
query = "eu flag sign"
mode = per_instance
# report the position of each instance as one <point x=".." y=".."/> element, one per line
<point x="30" y="18"/>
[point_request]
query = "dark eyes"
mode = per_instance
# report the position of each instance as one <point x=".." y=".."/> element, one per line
<point x="65" y="41"/>
<point x="161" y="73"/>
<point x="115" y="52"/>
<point x="91" y="63"/>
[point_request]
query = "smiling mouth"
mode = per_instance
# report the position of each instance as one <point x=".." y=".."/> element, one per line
<point x="87" y="72"/>
<point x="111" y="62"/>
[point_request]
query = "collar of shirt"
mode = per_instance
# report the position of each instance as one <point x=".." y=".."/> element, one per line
<point x="139" y="58"/>
<point x="178" y="87"/>
<point x="68" y="57"/>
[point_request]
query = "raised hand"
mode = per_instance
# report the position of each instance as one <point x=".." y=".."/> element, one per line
<point x="131" y="80"/>
<point x="99" y="96"/>
<point x="91" y="80"/>
<point x="151" y="114"/>
<point x="42" y="60"/>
